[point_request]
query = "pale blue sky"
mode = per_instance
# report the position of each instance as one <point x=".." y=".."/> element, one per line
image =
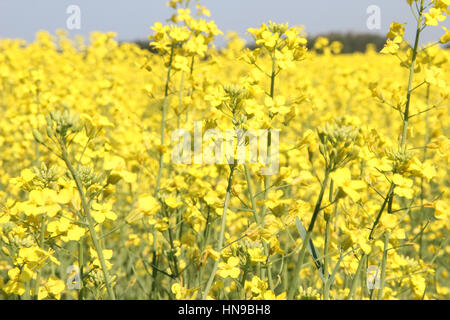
<point x="131" y="19"/>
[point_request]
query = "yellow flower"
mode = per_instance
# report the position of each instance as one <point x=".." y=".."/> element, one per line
<point x="52" y="288"/>
<point x="212" y="198"/>
<point x="24" y="275"/>
<point x="182" y="293"/>
<point x="284" y="58"/>
<point x="43" y="201"/>
<point x="210" y="252"/>
<point x="425" y="170"/>
<point x="390" y="47"/>
<point x="403" y="186"/>
<point x="75" y="233"/>
<point x="130" y="102"/>
<point x="256" y="285"/>
<point x="418" y="284"/>
<point x="215" y="97"/>
<point x="446" y="37"/>
<point x="181" y="63"/>
<point x="256" y="255"/>
<point x="202" y="10"/>
<point x="389" y="221"/>
<point x="179" y="291"/>
<point x="101" y="212"/>
<point x="148" y="204"/>
<point x="16" y="284"/>
<point x="65" y="195"/>
<point x="172" y="202"/>
<point x="107" y="254"/>
<point x="342" y="178"/>
<point x="117" y="169"/>
<point x="183" y="14"/>
<point x="441" y="209"/>
<point x="268" y="39"/>
<point x="162" y="224"/>
<point x="434" y="16"/>
<point x="229" y="268"/>
<point x="396" y="32"/>
<point x="179" y="34"/>
<point x="277" y="105"/>
<point x="197" y="45"/>
<point x="27" y="175"/>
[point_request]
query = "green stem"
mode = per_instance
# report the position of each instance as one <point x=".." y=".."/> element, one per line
<point x="258" y="221"/>
<point x="172" y="247"/>
<point x="36" y="144"/>
<point x="221" y="234"/>
<point x="81" y="264"/>
<point x="242" y="283"/>
<point x="267" y="178"/>
<point x="363" y="275"/>
<point x="301" y="255"/>
<point x="90" y="222"/>
<point x="204" y="243"/>
<point x="410" y="79"/>
<point x="163" y="121"/>
<point x="377" y="219"/>
<point x="326" y="291"/>
<point x="422" y="190"/>
<point x="180" y="93"/>
<point x="41" y="245"/>
<point x="269" y="142"/>
<point x="356" y="277"/>
<point x="273" y="76"/>
<point x="383" y="266"/>
<point x="192" y="66"/>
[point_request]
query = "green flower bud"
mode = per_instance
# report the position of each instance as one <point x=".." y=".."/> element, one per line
<point x="38" y="137"/>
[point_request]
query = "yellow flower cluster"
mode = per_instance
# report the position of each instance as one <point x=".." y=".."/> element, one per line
<point x="87" y="181"/>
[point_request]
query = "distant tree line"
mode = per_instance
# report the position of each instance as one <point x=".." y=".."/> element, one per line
<point x="353" y="42"/>
<point x="144" y="44"/>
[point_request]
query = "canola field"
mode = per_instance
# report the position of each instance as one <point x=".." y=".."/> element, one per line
<point x="99" y="199"/>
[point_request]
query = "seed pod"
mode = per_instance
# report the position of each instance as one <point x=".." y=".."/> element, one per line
<point x="48" y="118"/>
<point x="322" y="149"/>
<point x="50" y="131"/>
<point x="38" y="137"/>
<point x="77" y="127"/>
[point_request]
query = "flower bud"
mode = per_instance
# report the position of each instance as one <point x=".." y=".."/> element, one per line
<point x="38" y="137"/>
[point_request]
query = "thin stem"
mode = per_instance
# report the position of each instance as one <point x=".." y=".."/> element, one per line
<point x="410" y="80"/>
<point x="41" y="245"/>
<point x="163" y="121"/>
<point x="221" y="234"/>
<point x="377" y="219"/>
<point x="301" y="255"/>
<point x="258" y="220"/>
<point x="172" y="247"/>
<point x="273" y="76"/>
<point x="422" y="190"/>
<point x="81" y="264"/>
<point x="383" y="266"/>
<point x="90" y="221"/>
<point x="356" y="277"/>
<point x="268" y="177"/>
<point x="326" y="247"/>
